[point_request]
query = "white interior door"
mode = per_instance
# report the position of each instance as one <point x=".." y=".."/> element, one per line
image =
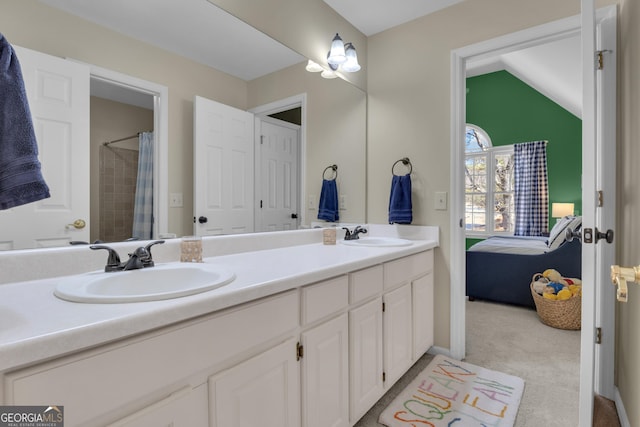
<point x="58" y="94"/>
<point x="277" y="173"/>
<point x="222" y="168"/>
<point x="606" y="43"/>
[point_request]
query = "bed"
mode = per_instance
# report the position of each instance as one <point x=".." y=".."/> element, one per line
<point x="500" y="269"/>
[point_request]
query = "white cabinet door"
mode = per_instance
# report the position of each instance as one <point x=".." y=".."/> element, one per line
<point x="325" y="374"/>
<point x="263" y="391"/>
<point x="365" y="353"/>
<point x="398" y="333"/>
<point x="423" y="323"/>
<point x="185" y="408"/>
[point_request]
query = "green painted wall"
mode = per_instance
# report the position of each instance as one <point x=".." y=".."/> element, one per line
<point x="511" y="111"/>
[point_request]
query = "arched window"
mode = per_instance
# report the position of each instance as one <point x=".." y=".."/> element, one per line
<point x="488" y="185"/>
<point x="476" y="139"/>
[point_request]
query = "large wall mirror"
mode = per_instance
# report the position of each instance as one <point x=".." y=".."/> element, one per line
<point x="92" y="32"/>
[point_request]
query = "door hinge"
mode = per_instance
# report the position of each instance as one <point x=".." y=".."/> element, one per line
<point x="600" y="199"/>
<point x="299" y="351"/>
<point x="600" y="58"/>
<point x="384" y="376"/>
<point x="598" y="335"/>
<point x="383" y="307"/>
<point x="260" y="204"/>
<point x="261" y="139"/>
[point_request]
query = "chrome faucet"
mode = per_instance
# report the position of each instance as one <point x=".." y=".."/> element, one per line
<point x="354" y="235"/>
<point x="140" y="258"/>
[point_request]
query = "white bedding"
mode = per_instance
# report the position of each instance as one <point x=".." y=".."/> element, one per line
<point x="523" y="245"/>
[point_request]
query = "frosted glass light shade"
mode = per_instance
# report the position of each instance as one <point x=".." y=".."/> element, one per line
<point x="337" y="54"/>
<point x="313" y="67"/>
<point x="328" y="74"/>
<point x="351" y="65"/>
<point x="559" y="210"/>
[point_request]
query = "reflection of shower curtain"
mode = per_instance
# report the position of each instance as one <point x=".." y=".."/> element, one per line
<point x="143" y="205"/>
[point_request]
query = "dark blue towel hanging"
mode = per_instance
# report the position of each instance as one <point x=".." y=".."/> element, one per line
<point x="328" y="206"/>
<point x="400" y="208"/>
<point x="21" y="180"/>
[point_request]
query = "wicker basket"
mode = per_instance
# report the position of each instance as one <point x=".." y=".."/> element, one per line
<point x="565" y="314"/>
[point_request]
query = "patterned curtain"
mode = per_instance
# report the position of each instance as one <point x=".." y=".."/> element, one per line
<point x="531" y="188"/>
<point x="143" y="204"/>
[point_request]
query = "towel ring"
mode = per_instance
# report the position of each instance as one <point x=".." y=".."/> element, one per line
<point x="405" y="161"/>
<point x="334" y="168"/>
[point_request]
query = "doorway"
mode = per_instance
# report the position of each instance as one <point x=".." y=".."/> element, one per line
<point x="290" y="116"/>
<point x="604" y="311"/>
<point x="118" y="88"/>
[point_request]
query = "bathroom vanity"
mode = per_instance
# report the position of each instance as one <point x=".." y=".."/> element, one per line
<point x="307" y="334"/>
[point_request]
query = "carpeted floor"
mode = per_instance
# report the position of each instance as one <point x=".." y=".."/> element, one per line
<point x="512" y="340"/>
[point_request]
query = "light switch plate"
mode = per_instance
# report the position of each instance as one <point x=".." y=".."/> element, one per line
<point x="342" y="204"/>
<point x="311" y="202"/>
<point x="441" y="200"/>
<point x="175" y="200"/>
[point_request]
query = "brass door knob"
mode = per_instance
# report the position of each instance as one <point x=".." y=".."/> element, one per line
<point x="78" y="224"/>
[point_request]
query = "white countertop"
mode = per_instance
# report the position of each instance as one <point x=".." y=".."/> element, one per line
<point x="36" y="326"/>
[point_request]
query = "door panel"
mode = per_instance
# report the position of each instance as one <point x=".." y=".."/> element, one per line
<point x="278" y="176"/>
<point x="223" y="154"/>
<point x="58" y="93"/>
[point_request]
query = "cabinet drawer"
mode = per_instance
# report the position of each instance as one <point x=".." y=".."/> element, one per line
<point x="404" y="269"/>
<point x="324" y="298"/>
<point x="365" y="283"/>
<point x="99" y="382"/>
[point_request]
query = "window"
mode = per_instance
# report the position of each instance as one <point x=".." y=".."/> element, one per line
<point x="489" y="207"/>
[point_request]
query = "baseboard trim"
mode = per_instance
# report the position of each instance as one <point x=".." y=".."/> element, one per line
<point x="622" y="414"/>
<point x="439" y="350"/>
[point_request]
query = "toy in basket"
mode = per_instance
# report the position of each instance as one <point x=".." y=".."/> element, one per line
<point x="558" y="299"/>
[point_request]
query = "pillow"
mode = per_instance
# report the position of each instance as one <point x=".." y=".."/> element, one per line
<point x="557" y="233"/>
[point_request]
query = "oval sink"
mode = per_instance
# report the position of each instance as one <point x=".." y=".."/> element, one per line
<point x="378" y="241"/>
<point x="164" y="281"/>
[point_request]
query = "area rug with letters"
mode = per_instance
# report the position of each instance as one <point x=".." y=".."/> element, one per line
<point x="456" y="394"/>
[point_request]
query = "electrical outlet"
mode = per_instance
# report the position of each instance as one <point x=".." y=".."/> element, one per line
<point x="441" y="200"/>
<point x="175" y="200"/>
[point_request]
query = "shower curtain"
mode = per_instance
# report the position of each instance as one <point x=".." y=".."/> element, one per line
<point x="531" y="188"/>
<point x="143" y="204"/>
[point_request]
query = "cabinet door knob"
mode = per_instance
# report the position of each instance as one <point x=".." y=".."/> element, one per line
<point x="202" y="219"/>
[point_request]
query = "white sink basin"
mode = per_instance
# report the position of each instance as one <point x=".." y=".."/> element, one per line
<point x="164" y="281"/>
<point x="377" y="241"/>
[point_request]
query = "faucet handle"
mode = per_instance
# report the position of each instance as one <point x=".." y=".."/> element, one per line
<point x="113" y="262"/>
<point x="148" y="259"/>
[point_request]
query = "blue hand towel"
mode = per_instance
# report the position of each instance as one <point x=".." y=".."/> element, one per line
<point x="400" y="209"/>
<point x="328" y="206"/>
<point x="21" y="179"/>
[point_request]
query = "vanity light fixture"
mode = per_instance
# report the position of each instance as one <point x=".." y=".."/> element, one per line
<point x="343" y="56"/>
<point x="313" y="67"/>
<point x="328" y="74"/>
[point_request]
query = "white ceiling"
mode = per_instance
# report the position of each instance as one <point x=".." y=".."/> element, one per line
<point x="201" y="31"/>
<point x="195" y="29"/>
<point x="374" y="16"/>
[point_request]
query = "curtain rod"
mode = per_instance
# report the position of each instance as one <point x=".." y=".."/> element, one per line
<point x="121" y="139"/>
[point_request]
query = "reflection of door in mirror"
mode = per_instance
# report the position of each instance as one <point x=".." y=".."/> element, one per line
<point x="58" y="95"/>
<point x="223" y="168"/>
<point x="277" y="159"/>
